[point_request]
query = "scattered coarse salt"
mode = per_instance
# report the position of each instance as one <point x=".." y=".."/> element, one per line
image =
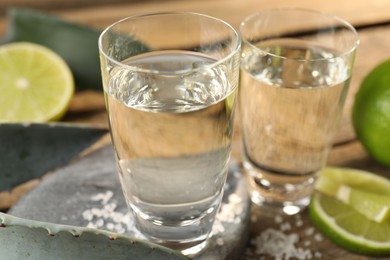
<point x="229" y="213"/>
<point x="103" y="197"/>
<point x="280" y="246"/>
<point x="281" y="243"/>
<point x="106" y="216"/>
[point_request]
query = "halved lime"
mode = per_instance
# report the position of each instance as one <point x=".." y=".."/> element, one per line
<point x="347" y="228"/>
<point x="350" y="186"/>
<point x="36" y="84"/>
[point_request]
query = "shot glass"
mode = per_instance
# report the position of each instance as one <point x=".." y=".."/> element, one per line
<point x="296" y="66"/>
<point x="170" y="83"/>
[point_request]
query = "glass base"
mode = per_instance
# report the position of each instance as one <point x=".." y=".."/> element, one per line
<point x="288" y="192"/>
<point x="189" y="237"/>
<point x="287" y="207"/>
<point x="187" y="248"/>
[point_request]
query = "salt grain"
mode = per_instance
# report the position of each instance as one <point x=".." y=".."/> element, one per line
<point x="298" y="221"/>
<point x="285" y="226"/>
<point x="87" y="215"/>
<point x="110" y="226"/>
<point x="278" y="219"/>
<point x="220" y="241"/>
<point x="99" y="222"/>
<point x="309" y="231"/>
<point x="103" y="197"/>
<point x="318" y="237"/>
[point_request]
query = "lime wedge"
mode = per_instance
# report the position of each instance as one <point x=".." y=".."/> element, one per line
<point x="374" y="206"/>
<point x="36" y="84"/>
<point x="348" y="228"/>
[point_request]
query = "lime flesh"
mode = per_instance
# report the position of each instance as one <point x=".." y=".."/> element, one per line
<point x="36" y="84"/>
<point x="351" y="207"/>
<point x="348" y="228"/>
<point x="374" y="206"/>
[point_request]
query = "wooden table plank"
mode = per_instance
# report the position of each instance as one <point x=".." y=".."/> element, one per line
<point x="374" y="48"/>
<point x="359" y="12"/>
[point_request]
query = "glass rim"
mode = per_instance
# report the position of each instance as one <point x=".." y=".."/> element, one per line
<point x="341" y="22"/>
<point x="235" y="34"/>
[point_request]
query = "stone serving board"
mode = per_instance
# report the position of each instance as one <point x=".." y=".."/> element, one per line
<point x="87" y="193"/>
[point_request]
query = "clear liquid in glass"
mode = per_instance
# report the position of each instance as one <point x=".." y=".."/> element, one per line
<point x="291" y="101"/>
<point x="172" y="135"/>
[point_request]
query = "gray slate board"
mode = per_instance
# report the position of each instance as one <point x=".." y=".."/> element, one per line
<point x="88" y="193"/>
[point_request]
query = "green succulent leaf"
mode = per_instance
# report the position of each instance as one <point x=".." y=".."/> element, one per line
<point x="30" y="150"/>
<point x="28" y="239"/>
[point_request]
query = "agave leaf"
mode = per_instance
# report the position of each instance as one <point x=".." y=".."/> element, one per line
<point x="22" y="238"/>
<point x="76" y="43"/>
<point x="28" y="151"/>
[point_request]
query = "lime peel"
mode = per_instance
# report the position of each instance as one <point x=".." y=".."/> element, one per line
<point x="371" y="113"/>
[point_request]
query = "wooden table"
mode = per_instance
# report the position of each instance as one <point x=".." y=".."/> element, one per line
<point x="370" y="17"/>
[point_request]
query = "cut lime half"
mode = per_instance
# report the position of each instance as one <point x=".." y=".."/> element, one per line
<point x="36" y="84"/>
<point x="347" y="228"/>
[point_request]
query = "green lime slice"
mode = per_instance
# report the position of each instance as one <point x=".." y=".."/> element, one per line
<point x="348" y="228"/>
<point x="36" y="84"/>
<point x="349" y="186"/>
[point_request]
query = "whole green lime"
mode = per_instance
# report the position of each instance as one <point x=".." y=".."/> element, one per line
<point x="371" y="113"/>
